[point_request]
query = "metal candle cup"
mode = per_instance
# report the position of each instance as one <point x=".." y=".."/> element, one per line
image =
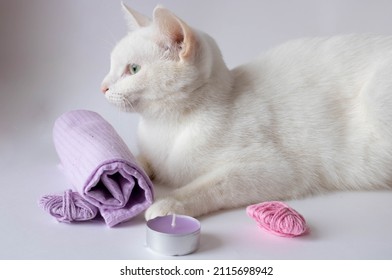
<point x="173" y="235"/>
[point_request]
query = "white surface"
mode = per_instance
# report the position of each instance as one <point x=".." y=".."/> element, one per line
<point x="53" y="55"/>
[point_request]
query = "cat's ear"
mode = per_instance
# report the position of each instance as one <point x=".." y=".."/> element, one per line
<point x="178" y="33"/>
<point x="134" y="19"/>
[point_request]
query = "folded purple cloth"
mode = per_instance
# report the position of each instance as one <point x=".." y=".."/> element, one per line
<point x="100" y="166"/>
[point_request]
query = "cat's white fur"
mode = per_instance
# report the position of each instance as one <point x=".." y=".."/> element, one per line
<point x="310" y="116"/>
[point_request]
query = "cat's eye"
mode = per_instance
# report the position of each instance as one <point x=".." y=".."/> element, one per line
<point x="133" y="68"/>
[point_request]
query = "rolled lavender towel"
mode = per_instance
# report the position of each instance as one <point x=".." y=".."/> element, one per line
<point x="100" y="166"/>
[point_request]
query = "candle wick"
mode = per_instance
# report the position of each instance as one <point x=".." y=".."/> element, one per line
<point x="173" y="223"/>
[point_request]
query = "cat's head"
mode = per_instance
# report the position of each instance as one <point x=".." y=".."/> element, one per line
<point x="161" y="65"/>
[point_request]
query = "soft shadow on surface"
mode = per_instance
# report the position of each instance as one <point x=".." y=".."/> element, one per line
<point x="209" y="242"/>
<point x="138" y="220"/>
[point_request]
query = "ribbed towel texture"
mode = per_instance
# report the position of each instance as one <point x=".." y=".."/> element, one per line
<point x="100" y="166"/>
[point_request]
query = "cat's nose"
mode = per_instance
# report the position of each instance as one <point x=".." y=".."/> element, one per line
<point x="104" y="89"/>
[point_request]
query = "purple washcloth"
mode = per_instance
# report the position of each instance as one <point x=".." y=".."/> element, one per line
<point x="100" y="166"/>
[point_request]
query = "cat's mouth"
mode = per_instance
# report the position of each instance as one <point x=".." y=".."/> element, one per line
<point x="124" y="103"/>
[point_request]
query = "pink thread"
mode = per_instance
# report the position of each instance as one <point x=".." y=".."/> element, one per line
<point x="278" y="218"/>
<point x="69" y="207"/>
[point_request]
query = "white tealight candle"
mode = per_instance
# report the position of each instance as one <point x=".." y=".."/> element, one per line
<point x="173" y="235"/>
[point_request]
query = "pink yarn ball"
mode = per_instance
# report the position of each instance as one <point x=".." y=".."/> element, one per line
<point x="278" y="218"/>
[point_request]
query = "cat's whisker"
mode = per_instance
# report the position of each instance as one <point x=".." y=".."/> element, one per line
<point x="127" y="102"/>
<point x="109" y="32"/>
<point x="107" y="44"/>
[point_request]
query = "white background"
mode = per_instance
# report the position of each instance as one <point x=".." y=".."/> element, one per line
<point x="53" y="56"/>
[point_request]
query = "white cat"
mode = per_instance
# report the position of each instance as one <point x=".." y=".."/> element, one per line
<point x="310" y="116"/>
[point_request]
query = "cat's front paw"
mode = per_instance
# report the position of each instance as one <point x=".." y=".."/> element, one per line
<point x="165" y="207"/>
